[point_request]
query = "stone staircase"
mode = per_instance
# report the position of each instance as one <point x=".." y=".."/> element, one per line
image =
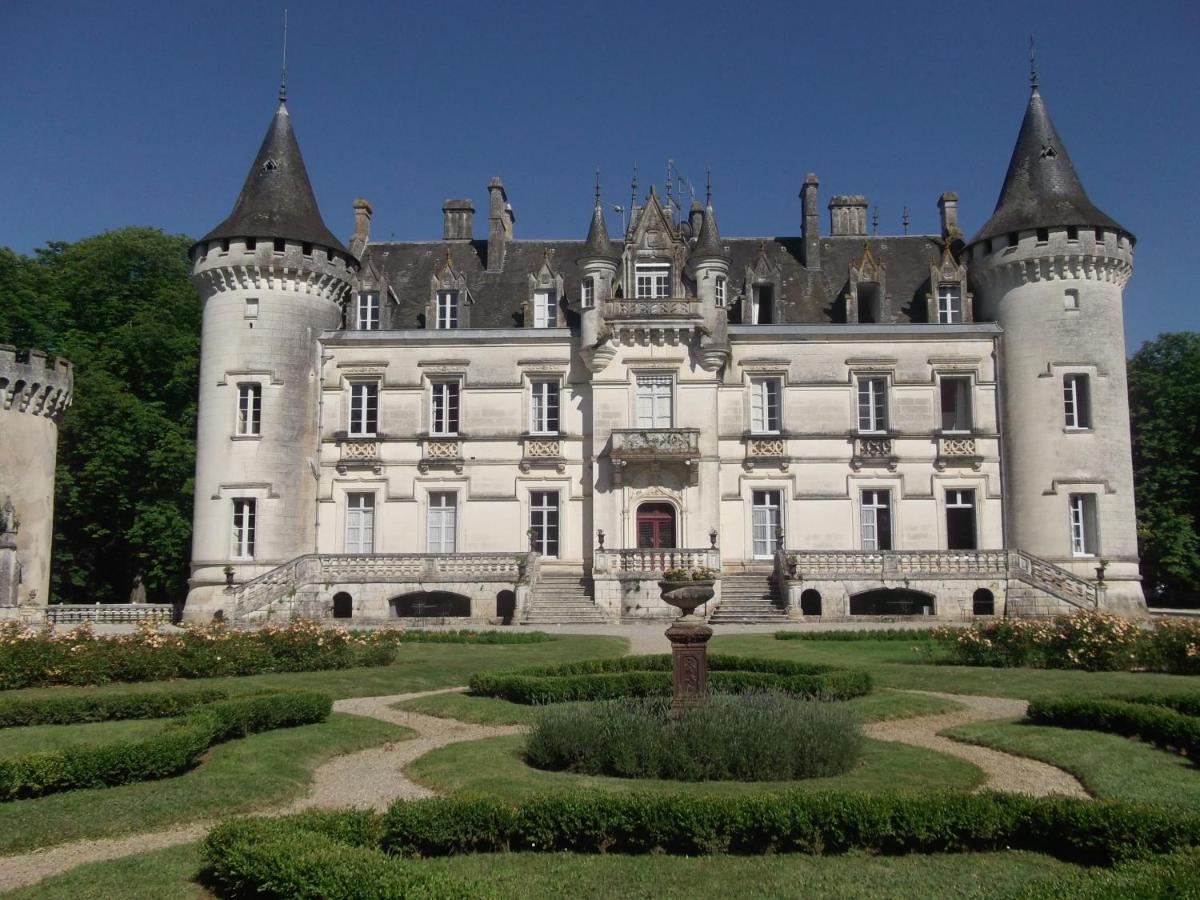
<point x="747" y="598"/>
<point x="562" y="599"/>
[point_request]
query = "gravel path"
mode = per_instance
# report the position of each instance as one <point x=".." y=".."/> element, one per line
<point x="1004" y="772"/>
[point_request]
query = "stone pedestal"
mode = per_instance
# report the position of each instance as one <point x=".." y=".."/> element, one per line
<point x="689" y="662"/>
<point x="10" y="571"/>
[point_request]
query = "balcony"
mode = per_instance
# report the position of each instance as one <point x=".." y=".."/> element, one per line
<point x="958" y="450"/>
<point x="770" y="450"/>
<point x="359" y="453"/>
<point x="648" y="561"/>
<point x="542" y="450"/>
<point x="874" y="450"/>
<point x="654" y="321"/>
<point x="439" y="452"/>
<point x="679" y="446"/>
<point x="817" y="565"/>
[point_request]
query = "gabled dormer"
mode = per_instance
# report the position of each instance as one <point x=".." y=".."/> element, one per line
<point x="654" y="252"/>
<point x="541" y="308"/>
<point x="948" y="301"/>
<point x="762" y="289"/>
<point x="449" y="304"/>
<point x="866" y="295"/>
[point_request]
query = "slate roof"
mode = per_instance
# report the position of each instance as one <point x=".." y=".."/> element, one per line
<point x="277" y="199"/>
<point x="708" y="242"/>
<point x="1041" y="189"/>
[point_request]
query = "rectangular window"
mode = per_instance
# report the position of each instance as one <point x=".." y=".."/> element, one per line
<point x="280" y="245"/>
<point x="765" y="395"/>
<point x="876" y="520"/>
<point x="950" y="304"/>
<point x="719" y="292"/>
<point x="654" y="401"/>
<point x="1085" y="536"/>
<point x="1070" y="299"/>
<point x="762" y="304"/>
<point x="652" y="280"/>
<point x="543" y="522"/>
<point x="589" y="292"/>
<point x="444" y="408"/>
<point x="249" y="417"/>
<point x="244" y="515"/>
<point x="364" y="409"/>
<point x="872" y="404"/>
<point x="366" y="316"/>
<point x="956" y="403"/>
<point x="960" y="520"/>
<point x="1076" y="401"/>
<point x="544" y="309"/>
<point x="869" y="312"/>
<point x="447" y="309"/>
<point x="251" y="308"/>
<point x="543" y="410"/>
<point x="360" y="523"/>
<point x="442" y="522"/>
<point x="765" y="523"/>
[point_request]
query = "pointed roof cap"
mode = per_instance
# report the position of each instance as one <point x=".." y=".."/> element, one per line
<point x="1041" y="189"/>
<point x="708" y="244"/>
<point x="277" y="199"/>
<point x="598" y="245"/>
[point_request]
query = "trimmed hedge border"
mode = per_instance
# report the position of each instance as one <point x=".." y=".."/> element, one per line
<point x="1156" y="725"/>
<point x="415" y="636"/>
<point x="874" y="634"/>
<point x="77" y="708"/>
<point x="1188" y="704"/>
<point x="175" y="749"/>
<point x="649" y="676"/>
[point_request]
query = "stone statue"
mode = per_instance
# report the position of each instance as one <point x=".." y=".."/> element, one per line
<point x="8" y="517"/>
<point x="138" y="594"/>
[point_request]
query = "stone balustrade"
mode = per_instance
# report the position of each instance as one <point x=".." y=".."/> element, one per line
<point x="655" y="443"/>
<point x="651" y="561"/>
<point x="958" y="449"/>
<point x="542" y="450"/>
<point x="652" y="308"/>
<point x="441" y="452"/>
<point x="108" y="613"/>
<point x="359" y="453"/>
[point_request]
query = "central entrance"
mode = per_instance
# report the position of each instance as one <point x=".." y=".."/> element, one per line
<point x="656" y="526"/>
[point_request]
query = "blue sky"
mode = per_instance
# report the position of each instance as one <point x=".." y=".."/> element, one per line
<point x="122" y="113"/>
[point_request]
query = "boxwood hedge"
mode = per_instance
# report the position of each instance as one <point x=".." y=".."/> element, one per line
<point x="87" y="707"/>
<point x="1157" y="725"/>
<point x="648" y="676"/>
<point x="175" y="749"/>
<point x="866" y="634"/>
<point x="1188" y="704"/>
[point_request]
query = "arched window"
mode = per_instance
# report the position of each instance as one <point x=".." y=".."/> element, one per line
<point x="810" y="603"/>
<point x="983" y="603"/>
<point x="343" y="605"/>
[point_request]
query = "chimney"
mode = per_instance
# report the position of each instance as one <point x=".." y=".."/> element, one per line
<point x="810" y="227"/>
<point x="500" y="225"/>
<point x="362" y="221"/>
<point x="848" y="214"/>
<point x="458" y="218"/>
<point x="948" y="212"/>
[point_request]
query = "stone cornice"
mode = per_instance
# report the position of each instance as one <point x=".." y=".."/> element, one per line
<point x="1020" y="271"/>
<point x="29" y="386"/>
<point x="330" y="284"/>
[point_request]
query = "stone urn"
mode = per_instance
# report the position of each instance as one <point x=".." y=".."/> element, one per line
<point x="687" y="595"/>
<point x="689" y="641"/>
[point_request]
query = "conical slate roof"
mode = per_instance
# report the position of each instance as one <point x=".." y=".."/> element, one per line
<point x="277" y="199"/>
<point x="1041" y="189"/>
<point x="709" y="241"/>
<point x="598" y="245"/>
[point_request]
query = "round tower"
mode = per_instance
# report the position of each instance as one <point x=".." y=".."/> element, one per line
<point x="598" y="270"/>
<point x="708" y="264"/>
<point x="1050" y="267"/>
<point x="272" y="278"/>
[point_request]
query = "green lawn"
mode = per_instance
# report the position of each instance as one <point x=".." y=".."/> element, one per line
<point x="43" y="738"/>
<point x="894" y="664"/>
<point x="1108" y="765"/>
<point x="495" y="766"/>
<point x="246" y="775"/>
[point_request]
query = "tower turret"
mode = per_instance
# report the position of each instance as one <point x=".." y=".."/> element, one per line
<point x="598" y="265"/>
<point x="1050" y="267"/>
<point x="271" y="278"/>
<point x="709" y="268"/>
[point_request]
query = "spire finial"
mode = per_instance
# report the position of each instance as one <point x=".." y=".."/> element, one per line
<point x="633" y="187"/>
<point x="875" y="221"/>
<point x="597" y="185"/>
<point x="904" y="219"/>
<point x="708" y="186"/>
<point x="1033" y="75"/>
<point x="283" y="69"/>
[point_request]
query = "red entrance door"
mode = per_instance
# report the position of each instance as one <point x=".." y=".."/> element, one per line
<point x="656" y="526"/>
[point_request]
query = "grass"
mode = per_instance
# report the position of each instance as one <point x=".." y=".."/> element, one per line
<point x="894" y="664"/>
<point x="44" y="738"/>
<point x="875" y="707"/>
<point x="496" y="766"/>
<point x="168" y="874"/>
<point x="246" y="775"/>
<point x="1108" y="765"/>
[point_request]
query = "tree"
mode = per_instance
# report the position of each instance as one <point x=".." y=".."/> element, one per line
<point x="1164" y="408"/>
<point x="119" y="306"/>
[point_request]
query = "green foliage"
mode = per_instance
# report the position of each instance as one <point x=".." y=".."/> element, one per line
<point x="875" y="634"/>
<point x="1188" y="704"/>
<point x="1164" y="412"/>
<point x="649" y="676"/>
<point x="419" y="636"/>
<point x="119" y="306"/>
<point x="175" y="749"/>
<point x="1094" y="832"/>
<point x="1155" y="724"/>
<point x="746" y="737"/>
<point x="76" y="708"/>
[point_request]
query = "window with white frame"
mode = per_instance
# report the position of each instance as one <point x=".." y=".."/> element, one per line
<point x="765" y="401"/>
<point x="543" y="406"/>
<point x="366" y="311"/>
<point x="443" y="407"/>
<point x="719" y="291"/>
<point x="1085" y="536"/>
<point x="364" y="409"/>
<point x="1076" y="401"/>
<point x="249" y="414"/>
<point x="245" y="512"/>
<point x="447" y="309"/>
<point x="762" y="304"/>
<point x="543" y="522"/>
<point x="956" y="402"/>
<point x="589" y="292"/>
<point x="960" y="519"/>
<point x="360" y="522"/>
<point x="950" y="304"/>
<point x="544" y="309"/>
<point x="765" y="520"/>
<point x="654" y="401"/>
<point x="251" y="311"/>
<point x="652" y="280"/>
<point x="441" y="522"/>
<point x="876" y="520"/>
<point x="872" y="403"/>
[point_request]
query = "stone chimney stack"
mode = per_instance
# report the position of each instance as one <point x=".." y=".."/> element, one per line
<point x="810" y="226"/>
<point x="500" y="225"/>
<point x="362" y="221"/>
<point x="848" y="214"/>
<point x="458" y="219"/>
<point x="948" y="211"/>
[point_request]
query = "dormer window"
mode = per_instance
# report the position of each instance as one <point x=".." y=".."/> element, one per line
<point x="719" y="292"/>
<point x="652" y="281"/>
<point x="366" y="317"/>
<point x="762" y="304"/>
<point x="949" y="304"/>
<point x="447" y="309"/>
<point x="868" y="303"/>
<point x="545" y="309"/>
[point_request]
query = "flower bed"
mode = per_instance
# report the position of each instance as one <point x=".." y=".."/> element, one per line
<point x="1093" y="641"/>
<point x="650" y="676"/>
<point x="746" y="737"/>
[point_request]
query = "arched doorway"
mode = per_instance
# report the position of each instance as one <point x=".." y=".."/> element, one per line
<point x="891" y="602"/>
<point x="810" y="602"/>
<point x="656" y="526"/>
<point x="983" y="602"/>
<point x="343" y="605"/>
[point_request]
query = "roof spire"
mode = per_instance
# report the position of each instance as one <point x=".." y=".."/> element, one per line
<point x="598" y="246"/>
<point x="283" y="70"/>
<point x="708" y="242"/>
<point x="708" y="186"/>
<point x="597" y="185"/>
<point x="1033" y="75"/>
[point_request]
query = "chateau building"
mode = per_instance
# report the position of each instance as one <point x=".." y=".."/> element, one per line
<point x="838" y="423"/>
